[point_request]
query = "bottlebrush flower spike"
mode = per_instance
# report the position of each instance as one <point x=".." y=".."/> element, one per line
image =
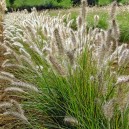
<point x="5" y="105"/>
<point x="68" y="120"/>
<point x="14" y="89"/>
<point x="108" y="109"/>
<point x="17" y="115"/>
<point x="83" y="11"/>
<point x="96" y="20"/>
<point x="113" y="10"/>
<point x="122" y="79"/>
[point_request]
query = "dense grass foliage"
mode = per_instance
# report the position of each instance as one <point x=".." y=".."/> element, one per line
<point x="64" y="78"/>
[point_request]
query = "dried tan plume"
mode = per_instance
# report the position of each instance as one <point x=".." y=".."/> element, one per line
<point x="56" y="65"/>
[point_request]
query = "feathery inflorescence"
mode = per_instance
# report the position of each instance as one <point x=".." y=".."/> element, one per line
<point x="36" y="43"/>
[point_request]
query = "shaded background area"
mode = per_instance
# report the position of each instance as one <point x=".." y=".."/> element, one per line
<point x="54" y="4"/>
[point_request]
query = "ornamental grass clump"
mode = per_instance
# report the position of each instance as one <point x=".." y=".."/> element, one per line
<point x="66" y="78"/>
<point x="2" y="14"/>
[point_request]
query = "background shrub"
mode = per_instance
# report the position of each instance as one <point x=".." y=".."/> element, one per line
<point x="11" y="2"/>
<point x="55" y="3"/>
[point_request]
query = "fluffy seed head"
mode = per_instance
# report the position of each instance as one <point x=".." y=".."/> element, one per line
<point x="79" y="22"/>
<point x="14" y="89"/>
<point x="25" y="85"/>
<point x="56" y="65"/>
<point x="115" y="30"/>
<point x="108" y="109"/>
<point x="5" y="105"/>
<point x="70" y="121"/>
<point x="122" y="79"/>
<point x="113" y="9"/>
<point x="83" y="11"/>
<point x="17" y="115"/>
<point x="96" y="20"/>
<point x="18" y="106"/>
<point x="58" y="41"/>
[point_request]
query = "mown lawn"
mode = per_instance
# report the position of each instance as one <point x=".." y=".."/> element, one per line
<point x="106" y="2"/>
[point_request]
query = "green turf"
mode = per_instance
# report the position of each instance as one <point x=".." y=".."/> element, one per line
<point x="105" y="2"/>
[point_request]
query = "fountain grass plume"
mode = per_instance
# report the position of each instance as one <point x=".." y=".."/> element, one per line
<point x="2" y="12"/>
<point x="58" y="41"/>
<point x="83" y="10"/>
<point x="108" y="110"/>
<point x="17" y="115"/>
<point x="14" y="90"/>
<point x="56" y="65"/>
<point x="113" y="10"/>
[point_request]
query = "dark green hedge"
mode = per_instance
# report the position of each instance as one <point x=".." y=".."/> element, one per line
<point x="43" y="4"/>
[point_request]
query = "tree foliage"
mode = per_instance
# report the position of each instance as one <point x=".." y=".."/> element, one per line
<point x="11" y="2"/>
<point x="90" y="2"/>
